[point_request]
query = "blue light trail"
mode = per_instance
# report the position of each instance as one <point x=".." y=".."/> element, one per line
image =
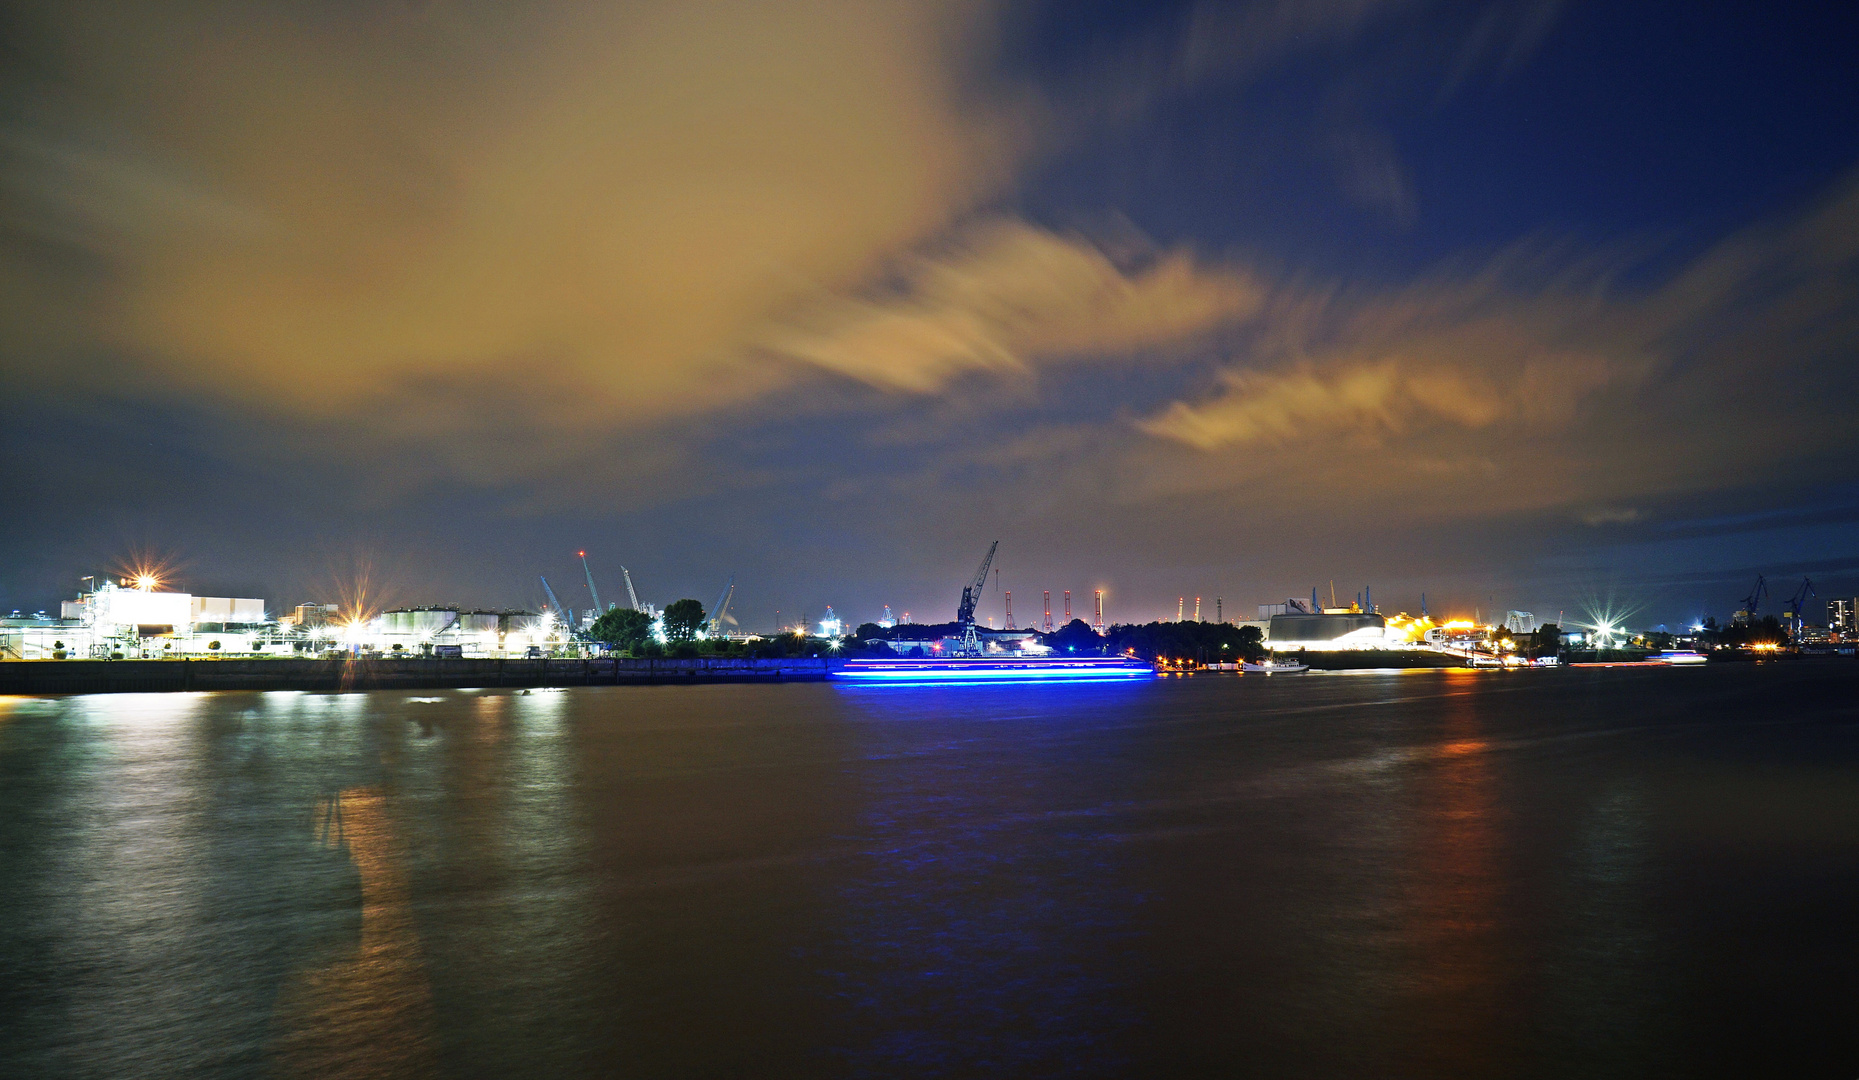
<point x="991" y="671"/>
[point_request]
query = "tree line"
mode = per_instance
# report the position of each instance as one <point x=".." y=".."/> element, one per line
<point x="630" y="631"/>
<point x="1204" y="642"/>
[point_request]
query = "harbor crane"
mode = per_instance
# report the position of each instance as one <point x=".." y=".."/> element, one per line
<point x="719" y="612"/>
<point x="1795" y="602"/>
<point x="562" y="613"/>
<point x="631" y="596"/>
<point x="1755" y="597"/>
<point x="591" y="591"/>
<point x="971" y="595"/>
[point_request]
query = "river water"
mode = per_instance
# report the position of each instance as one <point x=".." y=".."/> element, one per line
<point x="1431" y="873"/>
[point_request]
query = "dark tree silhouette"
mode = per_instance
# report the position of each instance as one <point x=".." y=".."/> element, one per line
<point x="625" y="627"/>
<point x="682" y="619"/>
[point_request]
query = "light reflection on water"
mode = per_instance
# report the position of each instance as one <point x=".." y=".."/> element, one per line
<point x="1433" y="874"/>
<point x="984" y="922"/>
<point x="369" y="1010"/>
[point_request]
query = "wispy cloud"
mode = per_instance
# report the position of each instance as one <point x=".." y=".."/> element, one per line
<point x="1004" y="295"/>
<point x="1468" y="355"/>
<point x="1542" y="356"/>
<point x="1611" y="515"/>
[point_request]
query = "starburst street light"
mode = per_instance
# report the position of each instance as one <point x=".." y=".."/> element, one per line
<point x="1607" y="619"/>
<point x="143" y="571"/>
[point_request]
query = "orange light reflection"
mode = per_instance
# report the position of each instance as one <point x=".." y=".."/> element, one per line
<point x="377" y="997"/>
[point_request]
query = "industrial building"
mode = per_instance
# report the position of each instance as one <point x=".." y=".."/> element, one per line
<point x="119" y="621"/>
<point x="139" y="622"/>
<point x="1840" y="618"/>
<point x="471" y="633"/>
<point x="1297" y="627"/>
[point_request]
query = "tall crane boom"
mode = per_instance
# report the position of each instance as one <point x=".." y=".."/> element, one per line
<point x="591" y="591"/>
<point x="562" y="613"/>
<point x="719" y="612"/>
<point x="1755" y="597"/>
<point x="1795" y="604"/>
<point x="971" y="593"/>
<point x="631" y="596"/>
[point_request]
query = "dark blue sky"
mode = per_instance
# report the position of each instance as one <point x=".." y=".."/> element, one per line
<point x="1674" y="122"/>
<point x="1517" y="304"/>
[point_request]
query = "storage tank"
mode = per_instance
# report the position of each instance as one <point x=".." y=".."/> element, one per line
<point x="417" y="622"/>
<point x="478" y="622"/>
<point x="518" y="622"/>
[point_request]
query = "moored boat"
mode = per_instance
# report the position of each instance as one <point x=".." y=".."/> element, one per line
<point x="979" y="669"/>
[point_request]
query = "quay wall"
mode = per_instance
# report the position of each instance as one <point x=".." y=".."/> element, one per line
<point x="1357" y="659"/>
<point x="412" y="673"/>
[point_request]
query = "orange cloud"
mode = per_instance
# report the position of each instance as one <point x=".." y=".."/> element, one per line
<point x="300" y="207"/>
<point x="1004" y="295"/>
<point x="1466" y="356"/>
<point x="1379" y="398"/>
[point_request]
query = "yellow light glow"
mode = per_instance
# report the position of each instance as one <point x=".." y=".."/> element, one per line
<point x="145" y="571"/>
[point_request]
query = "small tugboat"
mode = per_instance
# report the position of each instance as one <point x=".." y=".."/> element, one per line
<point x="1274" y="667"/>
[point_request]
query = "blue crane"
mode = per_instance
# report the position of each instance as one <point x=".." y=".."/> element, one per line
<point x="562" y="613"/>
<point x="591" y="591"/>
<point x="1756" y="595"/>
<point x="971" y="595"/>
<point x="719" y="611"/>
<point x="1800" y="597"/>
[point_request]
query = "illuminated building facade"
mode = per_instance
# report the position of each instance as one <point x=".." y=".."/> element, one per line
<point x="1332" y="629"/>
<point x="1840" y="618"/>
<point x="144" y="623"/>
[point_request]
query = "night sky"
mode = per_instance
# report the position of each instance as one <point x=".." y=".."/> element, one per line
<point x="1526" y="305"/>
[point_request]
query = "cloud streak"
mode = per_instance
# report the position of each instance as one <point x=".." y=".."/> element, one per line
<point x="1006" y="295"/>
<point x="1542" y="350"/>
<point x="1452" y="355"/>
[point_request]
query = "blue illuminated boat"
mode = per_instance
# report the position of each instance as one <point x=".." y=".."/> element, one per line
<point x="986" y="669"/>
